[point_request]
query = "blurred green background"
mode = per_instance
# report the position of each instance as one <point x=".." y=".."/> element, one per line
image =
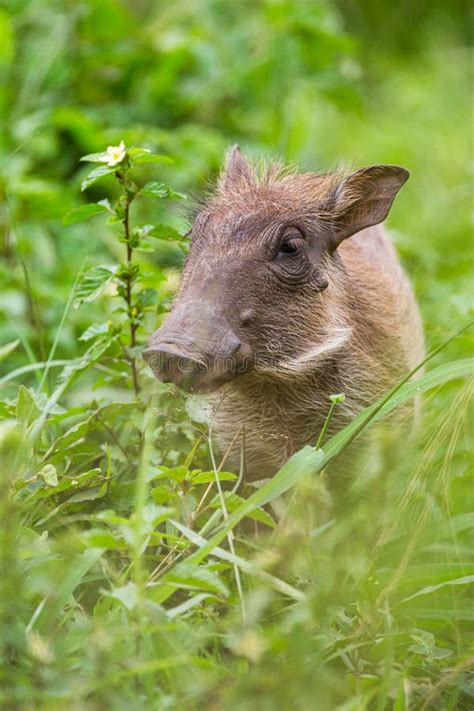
<point x="385" y="565"/>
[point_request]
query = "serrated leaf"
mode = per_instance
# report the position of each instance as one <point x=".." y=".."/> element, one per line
<point x="96" y="158"/>
<point x="83" y="212"/>
<point x="161" y="191"/>
<point x="164" y="232"/>
<point x="49" y="475"/>
<point x="142" y="155"/>
<point x="96" y="175"/>
<point x="92" y="354"/>
<point x="71" y="436"/>
<point x="93" y="282"/>
<point x="95" y="330"/>
<point x="200" y="477"/>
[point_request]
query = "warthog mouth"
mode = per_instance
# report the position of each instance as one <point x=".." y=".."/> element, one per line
<point x="192" y="373"/>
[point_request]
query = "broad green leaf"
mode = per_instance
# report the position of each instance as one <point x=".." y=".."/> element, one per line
<point x="93" y="353"/>
<point x="96" y="158"/>
<point x="160" y="190"/>
<point x="96" y="329"/>
<point x="96" y="175"/>
<point x="93" y="282"/>
<point x="199" y="477"/>
<point x="165" y="232"/>
<point x="83" y="212"/>
<point x="143" y="155"/>
<point x="71" y="436"/>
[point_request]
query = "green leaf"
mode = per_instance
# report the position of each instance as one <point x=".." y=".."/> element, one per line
<point x="8" y="348"/>
<point x="143" y="155"/>
<point x="247" y="566"/>
<point x="164" y="232"/>
<point x="93" y="282"/>
<point x="93" y="353"/>
<point x="68" y="483"/>
<point x="232" y="502"/>
<point x="199" y="477"/>
<point x="96" y="158"/>
<point x="95" y="330"/>
<point x="101" y="538"/>
<point x="127" y="595"/>
<point x="189" y="576"/>
<point x="465" y="580"/>
<point x="49" y="474"/>
<point x="83" y="212"/>
<point x="96" y="175"/>
<point x="143" y="246"/>
<point x="146" y="298"/>
<point x="26" y="408"/>
<point x="63" y="591"/>
<point x="161" y="191"/>
<point x="412" y="388"/>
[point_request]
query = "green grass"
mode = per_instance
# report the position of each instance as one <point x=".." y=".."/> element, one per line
<point x="137" y="572"/>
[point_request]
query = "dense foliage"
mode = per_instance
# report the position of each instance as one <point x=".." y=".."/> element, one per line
<point x="137" y="572"/>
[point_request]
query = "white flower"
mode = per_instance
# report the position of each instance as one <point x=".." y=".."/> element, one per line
<point x="115" y="154"/>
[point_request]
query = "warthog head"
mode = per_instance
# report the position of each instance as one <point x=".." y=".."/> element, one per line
<point x="257" y="291"/>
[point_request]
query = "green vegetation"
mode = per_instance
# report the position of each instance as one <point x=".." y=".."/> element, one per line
<point x="137" y="572"/>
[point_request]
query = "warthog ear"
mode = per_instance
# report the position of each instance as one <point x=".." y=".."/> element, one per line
<point x="364" y="199"/>
<point x="236" y="169"/>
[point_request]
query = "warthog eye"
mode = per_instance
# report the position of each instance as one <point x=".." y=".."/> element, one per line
<point x="291" y="246"/>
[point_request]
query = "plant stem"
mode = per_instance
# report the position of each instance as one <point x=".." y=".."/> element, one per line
<point x="322" y="434"/>
<point x="128" y="289"/>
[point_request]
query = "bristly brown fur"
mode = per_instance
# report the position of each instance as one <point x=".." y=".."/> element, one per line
<point x="264" y="183"/>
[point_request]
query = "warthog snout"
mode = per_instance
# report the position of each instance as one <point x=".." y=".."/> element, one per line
<point x="199" y="354"/>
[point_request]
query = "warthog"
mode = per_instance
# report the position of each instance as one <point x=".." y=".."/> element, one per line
<point x="278" y="308"/>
